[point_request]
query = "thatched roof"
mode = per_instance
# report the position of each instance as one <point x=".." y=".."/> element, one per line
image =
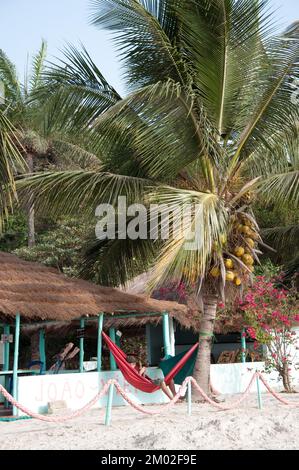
<point x="40" y="293"/>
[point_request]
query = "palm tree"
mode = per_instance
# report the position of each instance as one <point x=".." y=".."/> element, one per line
<point x="209" y="104"/>
<point x="22" y="112"/>
<point x="40" y="141"/>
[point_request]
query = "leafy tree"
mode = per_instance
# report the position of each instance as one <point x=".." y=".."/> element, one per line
<point x="206" y="123"/>
<point x="14" y="233"/>
<point x="59" y="246"/>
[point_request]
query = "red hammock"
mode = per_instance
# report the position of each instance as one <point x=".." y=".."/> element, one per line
<point x="133" y="377"/>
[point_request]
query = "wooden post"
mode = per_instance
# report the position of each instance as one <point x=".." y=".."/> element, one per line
<point x="112" y="360"/>
<point x="99" y="346"/>
<point x="81" y="358"/>
<point x="16" y="363"/>
<point x="6" y="349"/>
<point x="172" y="336"/>
<point x="6" y="331"/>
<point x="243" y="345"/>
<point x="167" y="347"/>
<point x="189" y="392"/>
<point x="109" y="405"/>
<point x="117" y="340"/>
<point x="259" y="395"/>
<point x="42" y="348"/>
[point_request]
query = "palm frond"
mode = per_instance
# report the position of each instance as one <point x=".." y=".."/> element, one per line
<point x="38" y="67"/>
<point x="165" y="11"/>
<point x="282" y="188"/>
<point x="187" y="251"/>
<point x="81" y="191"/>
<point x="276" y="112"/>
<point x="222" y="40"/>
<point x="161" y="123"/>
<point x="75" y="91"/>
<point x="9" y="77"/>
<point x="140" y="33"/>
<point x="291" y="273"/>
<point x="283" y="236"/>
<point x="130" y="257"/>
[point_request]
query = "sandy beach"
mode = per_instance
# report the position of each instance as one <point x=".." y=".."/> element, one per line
<point x="276" y="426"/>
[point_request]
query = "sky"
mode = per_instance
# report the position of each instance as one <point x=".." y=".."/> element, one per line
<point x="23" y="24"/>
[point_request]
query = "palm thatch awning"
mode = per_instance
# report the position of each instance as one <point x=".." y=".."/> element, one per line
<point x="192" y="318"/>
<point x="193" y="314"/>
<point x="39" y="293"/>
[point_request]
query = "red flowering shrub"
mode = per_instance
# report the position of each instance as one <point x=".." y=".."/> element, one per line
<point x="270" y="312"/>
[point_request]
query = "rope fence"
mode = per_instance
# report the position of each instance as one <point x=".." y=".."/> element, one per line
<point x="109" y="386"/>
<point x="55" y="419"/>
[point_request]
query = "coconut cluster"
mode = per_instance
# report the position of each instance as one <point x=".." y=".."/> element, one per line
<point x="238" y="251"/>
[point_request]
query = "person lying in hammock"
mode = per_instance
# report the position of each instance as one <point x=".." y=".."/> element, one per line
<point x="169" y="390"/>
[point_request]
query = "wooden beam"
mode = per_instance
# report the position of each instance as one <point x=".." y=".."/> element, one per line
<point x="44" y="323"/>
<point x="117" y="340"/>
<point x="99" y="345"/>
<point x="171" y="336"/>
<point x="243" y="345"/>
<point x="166" y="340"/>
<point x="112" y="360"/>
<point x="6" y="331"/>
<point x="135" y="315"/>
<point x="81" y="358"/>
<point x="16" y="362"/>
<point x="42" y="348"/>
<point x="109" y="405"/>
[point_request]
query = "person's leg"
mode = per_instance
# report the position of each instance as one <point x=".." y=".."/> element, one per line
<point x="165" y="389"/>
<point x="172" y="387"/>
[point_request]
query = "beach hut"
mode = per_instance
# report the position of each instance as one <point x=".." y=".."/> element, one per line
<point x="35" y="296"/>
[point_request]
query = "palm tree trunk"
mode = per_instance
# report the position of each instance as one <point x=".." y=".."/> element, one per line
<point x="31" y="215"/>
<point x="203" y="361"/>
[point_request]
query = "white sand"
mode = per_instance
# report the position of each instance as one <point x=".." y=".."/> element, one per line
<point x="274" y="427"/>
